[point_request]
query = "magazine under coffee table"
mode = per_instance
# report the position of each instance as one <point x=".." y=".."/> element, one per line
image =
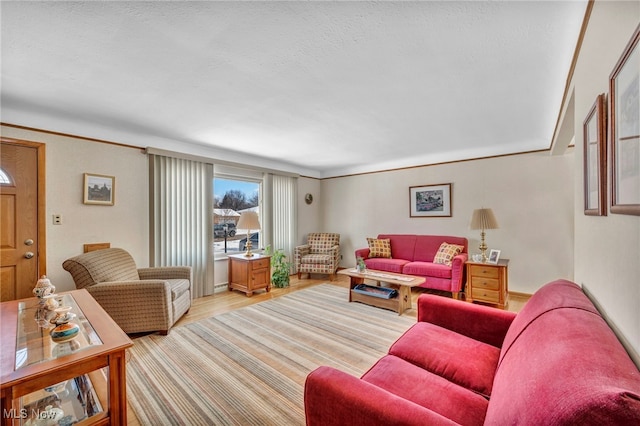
<point x="400" y="282"/>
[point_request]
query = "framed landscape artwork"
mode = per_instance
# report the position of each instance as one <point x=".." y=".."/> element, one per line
<point x="99" y="189"/>
<point x="595" y="155"/>
<point x="624" y="87"/>
<point x="430" y="200"/>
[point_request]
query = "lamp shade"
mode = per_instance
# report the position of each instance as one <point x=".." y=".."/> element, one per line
<point x="248" y="221"/>
<point x="483" y="219"/>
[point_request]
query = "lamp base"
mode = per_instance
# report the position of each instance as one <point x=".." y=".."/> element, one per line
<point x="483" y="248"/>
<point x="248" y="253"/>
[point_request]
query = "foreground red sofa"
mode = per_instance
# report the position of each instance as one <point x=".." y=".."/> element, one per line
<point x="555" y="363"/>
<point x="414" y="254"/>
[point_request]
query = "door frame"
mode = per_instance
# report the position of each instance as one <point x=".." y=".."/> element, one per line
<point x="42" y="198"/>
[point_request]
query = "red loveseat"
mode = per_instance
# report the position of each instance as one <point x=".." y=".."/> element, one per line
<point x="555" y="363"/>
<point x="414" y="254"/>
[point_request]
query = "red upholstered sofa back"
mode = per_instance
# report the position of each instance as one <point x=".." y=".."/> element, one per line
<point x="554" y="352"/>
<point x="421" y="248"/>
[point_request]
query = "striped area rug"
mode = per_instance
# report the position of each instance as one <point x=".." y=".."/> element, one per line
<point x="247" y="367"/>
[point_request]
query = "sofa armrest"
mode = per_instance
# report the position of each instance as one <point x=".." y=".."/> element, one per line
<point x="483" y="323"/>
<point x="332" y="397"/>
<point x="458" y="271"/>
<point x="165" y="273"/>
<point x="363" y="253"/>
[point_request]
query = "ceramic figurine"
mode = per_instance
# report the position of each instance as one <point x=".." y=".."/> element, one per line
<point x="65" y="332"/>
<point x="43" y="288"/>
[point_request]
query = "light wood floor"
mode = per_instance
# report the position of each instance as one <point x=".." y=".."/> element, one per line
<point x="226" y="301"/>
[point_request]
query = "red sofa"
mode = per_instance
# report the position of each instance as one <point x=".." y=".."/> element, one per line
<point x="414" y="254"/>
<point x="555" y="363"/>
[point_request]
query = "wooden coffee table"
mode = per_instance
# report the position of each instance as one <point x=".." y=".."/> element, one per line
<point x="400" y="282"/>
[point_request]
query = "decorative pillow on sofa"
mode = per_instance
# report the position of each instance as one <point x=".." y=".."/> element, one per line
<point x="446" y="253"/>
<point x="379" y="248"/>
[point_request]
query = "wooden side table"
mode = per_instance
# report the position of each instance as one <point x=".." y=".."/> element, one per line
<point x="488" y="283"/>
<point x="248" y="274"/>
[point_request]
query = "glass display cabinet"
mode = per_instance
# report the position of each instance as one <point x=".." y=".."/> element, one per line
<point x="63" y="362"/>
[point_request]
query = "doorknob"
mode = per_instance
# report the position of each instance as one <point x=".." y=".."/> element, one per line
<point x="28" y="242"/>
<point x="29" y="254"/>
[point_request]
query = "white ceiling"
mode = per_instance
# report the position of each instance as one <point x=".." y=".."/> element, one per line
<point x="319" y="88"/>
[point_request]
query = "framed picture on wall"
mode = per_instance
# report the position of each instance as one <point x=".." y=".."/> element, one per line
<point x="99" y="189"/>
<point x="430" y="200"/>
<point x="595" y="159"/>
<point x="624" y="87"/>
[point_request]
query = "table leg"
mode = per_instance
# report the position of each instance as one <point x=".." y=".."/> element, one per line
<point x="404" y="298"/>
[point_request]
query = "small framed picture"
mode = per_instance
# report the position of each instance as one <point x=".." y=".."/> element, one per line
<point x="99" y="189"/>
<point x="430" y="200"/>
<point x="494" y="256"/>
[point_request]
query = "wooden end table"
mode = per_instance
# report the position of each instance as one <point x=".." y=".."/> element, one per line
<point x="248" y="274"/>
<point x="85" y="377"/>
<point x="488" y="282"/>
<point x="400" y="282"/>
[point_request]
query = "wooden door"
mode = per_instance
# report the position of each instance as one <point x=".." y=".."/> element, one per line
<point x="20" y="200"/>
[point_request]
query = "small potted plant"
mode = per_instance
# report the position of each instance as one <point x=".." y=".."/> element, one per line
<point x="280" y="268"/>
<point x="360" y="265"/>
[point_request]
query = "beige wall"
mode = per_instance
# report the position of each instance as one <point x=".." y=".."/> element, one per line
<point x="530" y="194"/>
<point x="124" y="225"/>
<point x="607" y="249"/>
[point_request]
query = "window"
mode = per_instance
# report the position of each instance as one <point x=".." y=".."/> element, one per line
<point x="4" y="178"/>
<point x="233" y="195"/>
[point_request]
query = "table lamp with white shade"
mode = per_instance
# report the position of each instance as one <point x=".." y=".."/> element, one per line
<point x="248" y="221"/>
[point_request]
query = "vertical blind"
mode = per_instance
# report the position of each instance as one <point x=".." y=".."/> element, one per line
<point x="181" y="204"/>
<point x="283" y="214"/>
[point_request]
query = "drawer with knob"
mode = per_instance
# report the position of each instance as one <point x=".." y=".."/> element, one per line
<point x="488" y="283"/>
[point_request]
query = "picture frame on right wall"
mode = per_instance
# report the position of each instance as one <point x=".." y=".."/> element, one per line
<point x="595" y="159"/>
<point x="624" y="108"/>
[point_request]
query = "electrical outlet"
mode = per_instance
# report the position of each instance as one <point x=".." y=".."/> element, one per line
<point x="57" y="219"/>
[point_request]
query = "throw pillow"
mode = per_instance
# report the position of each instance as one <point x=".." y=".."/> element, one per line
<point x="379" y="248"/>
<point x="446" y="253"/>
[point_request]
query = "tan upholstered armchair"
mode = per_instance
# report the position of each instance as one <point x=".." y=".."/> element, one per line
<point x="321" y="255"/>
<point x="139" y="300"/>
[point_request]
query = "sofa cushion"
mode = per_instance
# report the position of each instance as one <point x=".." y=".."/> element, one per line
<point x="446" y="253"/>
<point x="457" y="358"/>
<point x="427" y="269"/>
<point x="379" y="247"/>
<point x="388" y="265"/>
<point x="566" y="368"/>
<point x="402" y="245"/>
<point x="428" y="390"/>
<point x="427" y="246"/>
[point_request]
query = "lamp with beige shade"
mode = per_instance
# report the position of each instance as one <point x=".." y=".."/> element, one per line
<point x="483" y="219"/>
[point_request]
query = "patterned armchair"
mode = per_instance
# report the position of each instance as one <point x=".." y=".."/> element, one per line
<point x="138" y="300"/>
<point x="320" y="255"/>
